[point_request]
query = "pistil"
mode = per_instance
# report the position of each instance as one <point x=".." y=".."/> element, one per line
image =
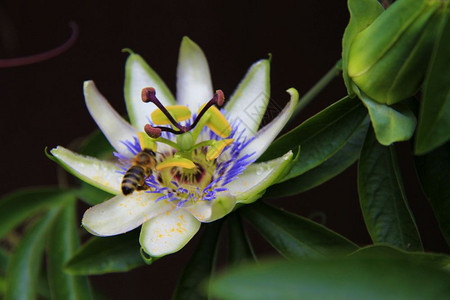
<point x="149" y="95"/>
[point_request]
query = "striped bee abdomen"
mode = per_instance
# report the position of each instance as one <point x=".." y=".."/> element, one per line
<point x="133" y="179"/>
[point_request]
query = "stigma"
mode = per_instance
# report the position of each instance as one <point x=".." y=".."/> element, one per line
<point x="172" y="115"/>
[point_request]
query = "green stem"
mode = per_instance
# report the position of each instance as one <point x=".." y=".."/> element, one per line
<point x="202" y="144"/>
<point x="202" y="123"/>
<point x="167" y="142"/>
<point x="317" y="88"/>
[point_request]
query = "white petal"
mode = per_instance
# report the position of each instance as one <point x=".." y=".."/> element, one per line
<point x="249" y="102"/>
<point x="258" y="177"/>
<point x="168" y="232"/>
<point x="139" y="75"/>
<point x="99" y="173"/>
<point x="113" y="126"/>
<point x="268" y="133"/>
<point x="206" y="211"/>
<point x="194" y="86"/>
<point x="123" y="213"/>
<point x="163" y="148"/>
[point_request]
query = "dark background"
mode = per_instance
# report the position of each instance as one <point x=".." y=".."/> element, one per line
<point x="42" y="104"/>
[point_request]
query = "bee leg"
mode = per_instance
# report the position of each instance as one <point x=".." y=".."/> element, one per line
<point x="143" y="187"/>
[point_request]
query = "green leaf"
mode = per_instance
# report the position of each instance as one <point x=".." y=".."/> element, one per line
<point x="42" y="289"/>
<point x="62" y="244"/>
<point x="201" y="265"/>
<point x="101" y="255"/>
<point x="439" y="261"/>
<point x="362" y="14"/>
<point x="294" y="236"/>
<point x="391" y="123"/>
<point x="23" y="269"/>
<point x="334" y="278"/>
<point x="239" y="246"/>
<point x="434" y="118"/>
<point x="92" y="195"/>
<point x="434" y="173"/>
<point x="333" y="166"/>
<point x="4" y="260"/>
<point x="96" y="145"/>
<point x="382" y="197"/>
<point x="319" y="137"/>
<point x="2" y="286"/>
<point x="18" y="206"/>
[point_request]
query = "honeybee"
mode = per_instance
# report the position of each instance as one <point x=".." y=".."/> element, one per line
<point x="143" y="164"/>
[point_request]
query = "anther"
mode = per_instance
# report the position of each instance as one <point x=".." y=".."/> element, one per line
<point x="156" y="130"/>
<point x="152" y="132"/>
<point x="218" y="99"/>
<point x="149" y="95"/>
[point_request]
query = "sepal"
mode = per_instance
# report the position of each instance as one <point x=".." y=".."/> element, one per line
<point x="258" y="177"/>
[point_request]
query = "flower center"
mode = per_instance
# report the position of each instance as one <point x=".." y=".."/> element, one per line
<point x="195" y="159"/>
<point x="185" y="182"/>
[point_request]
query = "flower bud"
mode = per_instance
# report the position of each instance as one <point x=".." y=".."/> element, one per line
<point x="388" y="59"/>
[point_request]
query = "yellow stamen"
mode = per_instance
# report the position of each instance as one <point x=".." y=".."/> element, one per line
<point x="175" y="162"/>
<point x="146" y="142"/>
<point x="178" y="112"/>
<point x="217" y="122"/>
<point x="216" y="149"/>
